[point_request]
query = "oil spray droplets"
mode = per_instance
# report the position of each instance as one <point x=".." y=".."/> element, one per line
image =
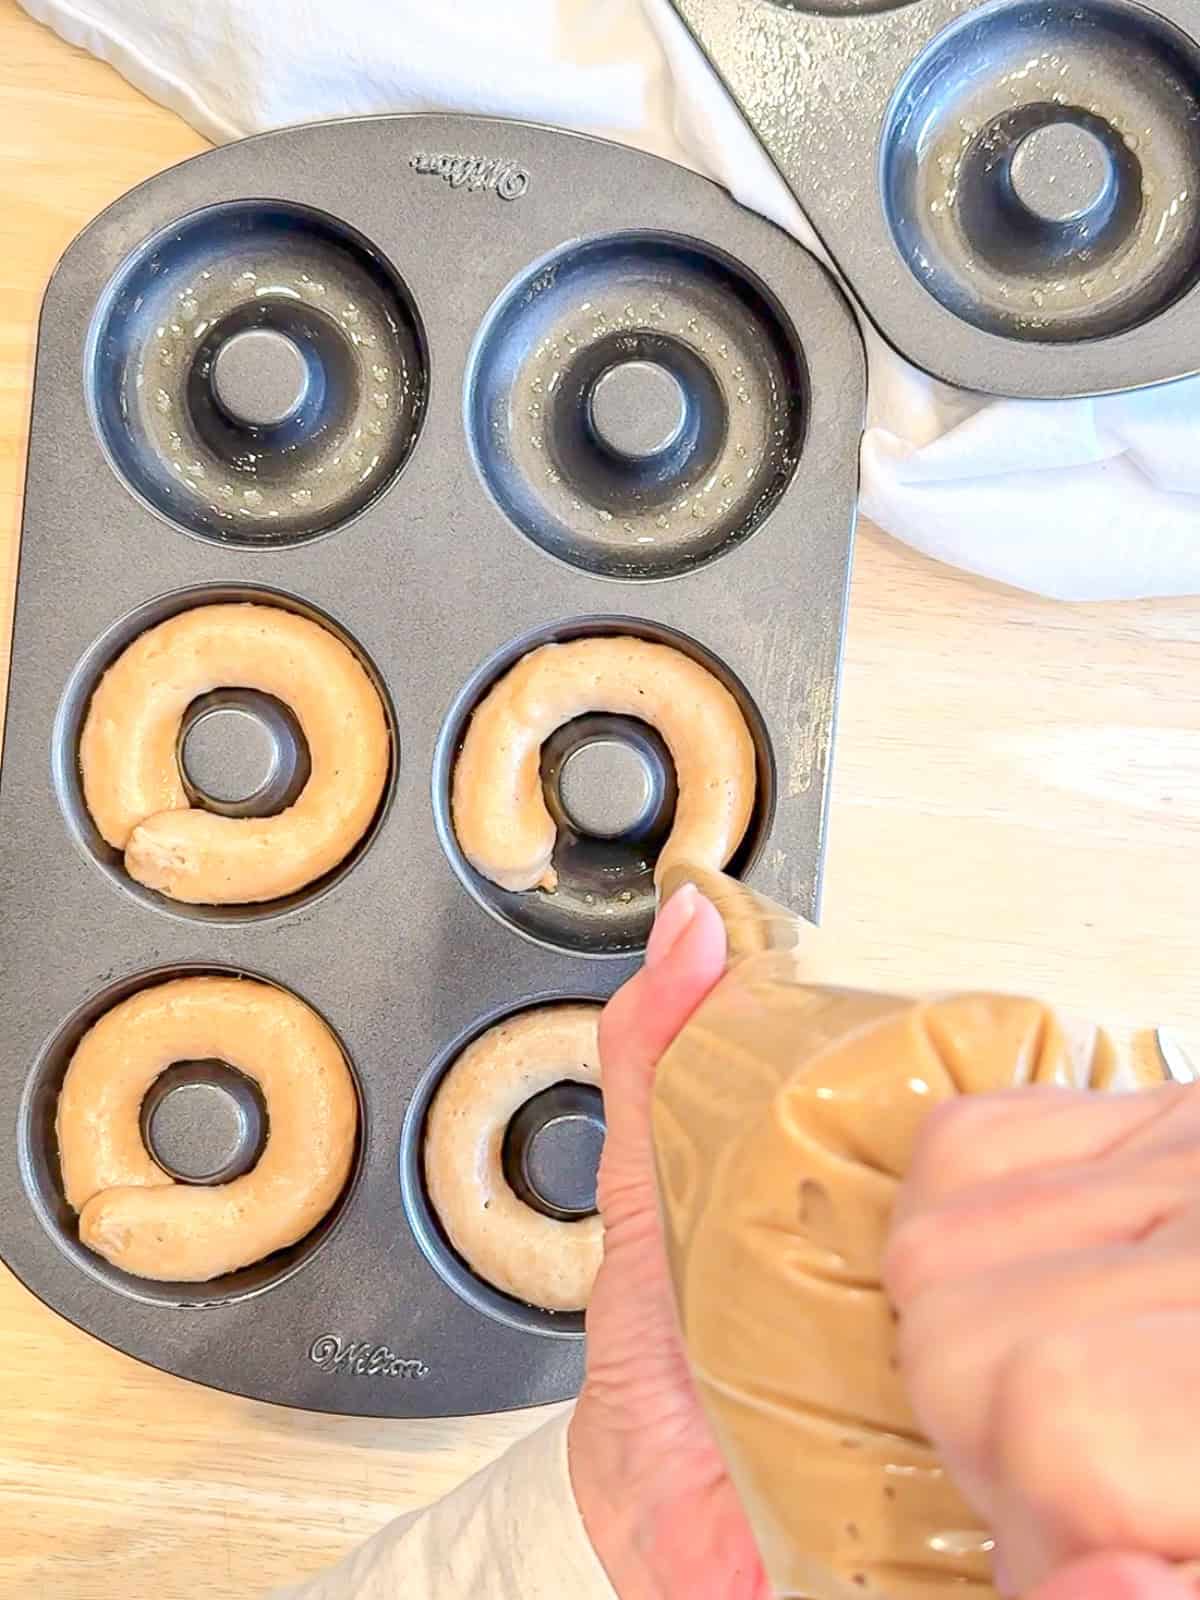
<point x="354" y="418"/>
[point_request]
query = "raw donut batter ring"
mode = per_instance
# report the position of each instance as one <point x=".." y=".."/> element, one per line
<point x="135" y="1215"/>
<point x="532" y="1257"/>
<point x="131" y="778"/>
<point x="500" y="816"/>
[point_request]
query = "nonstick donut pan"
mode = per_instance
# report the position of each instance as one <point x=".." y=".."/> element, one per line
<point x="1011" y="189"/>
<point x="346" y="370"/>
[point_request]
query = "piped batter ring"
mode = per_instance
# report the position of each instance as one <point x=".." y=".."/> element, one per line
<point x="500" y="814"/>
<point x="131" y="1211"/>
<point x="130" y="754"/>
<point x="484" y="1191"/>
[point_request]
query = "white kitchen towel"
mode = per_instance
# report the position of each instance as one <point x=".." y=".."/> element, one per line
<point x="1085" y="499"/>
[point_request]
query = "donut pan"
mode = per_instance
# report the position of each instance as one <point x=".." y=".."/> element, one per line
<point x="1012" y="189"/>
<point x="454" y="387"/>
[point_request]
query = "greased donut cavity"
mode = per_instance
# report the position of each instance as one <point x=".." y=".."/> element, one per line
<point x="500" y="815"/>
<point x="535" y="1258"/>
<point x="130" y="769"/>
<point x="133" y="1213"/>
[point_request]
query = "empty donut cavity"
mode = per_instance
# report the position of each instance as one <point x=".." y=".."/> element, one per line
<point x="1041" y="165"/>
<point x="257" y="373"/>
<point x="636" y="405"/>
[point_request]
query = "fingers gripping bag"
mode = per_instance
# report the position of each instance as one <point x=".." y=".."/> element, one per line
<point x="785" y="1115"/>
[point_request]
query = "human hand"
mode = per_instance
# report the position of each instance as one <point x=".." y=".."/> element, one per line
<point x="655" y="1498"/>
<point x="1043" y="1260"/>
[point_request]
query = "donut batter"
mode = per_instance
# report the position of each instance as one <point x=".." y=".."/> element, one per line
<point x="133" y="1213"/>
<point x="538" y="1259"/>
<point x="500" y="814"/>
<point x="131" y="779"/>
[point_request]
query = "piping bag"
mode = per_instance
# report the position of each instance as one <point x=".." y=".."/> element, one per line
<point x="784" y="1117"/>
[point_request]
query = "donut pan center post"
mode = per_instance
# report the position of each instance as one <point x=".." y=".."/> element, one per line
<point x="242" y="753"/>
<point x="616" y="781"/>
<point x="204" y="1122"/>
<point x="637" y="409"/>
<point x="260" y="377"/>
<point x="552" y="1150"/>
<point x="1061" y="172"/>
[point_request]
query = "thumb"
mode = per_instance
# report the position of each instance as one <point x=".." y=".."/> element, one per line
<point x="684" y="959"/>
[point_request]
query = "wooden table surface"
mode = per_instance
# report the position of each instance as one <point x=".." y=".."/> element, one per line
<point x="1017" y="801"/>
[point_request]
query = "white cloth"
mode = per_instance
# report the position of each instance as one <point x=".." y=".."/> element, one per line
<point x="1087" y="499"/>
<point x="512" y="1532"/>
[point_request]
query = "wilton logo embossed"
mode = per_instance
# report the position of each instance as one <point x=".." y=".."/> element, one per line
<point x="362" y="1359"/>
<point x="475" y="173"/>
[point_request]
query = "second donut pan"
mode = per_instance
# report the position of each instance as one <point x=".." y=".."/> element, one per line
<point x="1012" y="189"/>
<point x="431" y="304"/>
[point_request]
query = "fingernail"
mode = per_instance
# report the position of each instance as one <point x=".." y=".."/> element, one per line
<point x="671" y="924"/>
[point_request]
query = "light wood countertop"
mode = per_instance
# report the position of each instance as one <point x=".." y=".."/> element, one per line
<point x="1017" y="802"/>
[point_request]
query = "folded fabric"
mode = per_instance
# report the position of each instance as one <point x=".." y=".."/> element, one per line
<point x="1083" y="499"/>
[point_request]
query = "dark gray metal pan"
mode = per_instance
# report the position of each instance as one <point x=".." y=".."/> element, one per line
<point x="178" y="419"/>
